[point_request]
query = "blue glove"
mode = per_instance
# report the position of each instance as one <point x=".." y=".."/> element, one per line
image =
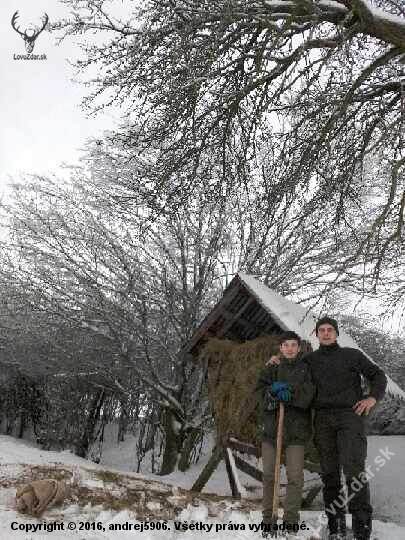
<point x="277" y="386"/>
<point x="284" y="395"/>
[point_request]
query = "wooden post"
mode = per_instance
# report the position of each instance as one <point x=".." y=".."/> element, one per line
<point x="216" y="456"/>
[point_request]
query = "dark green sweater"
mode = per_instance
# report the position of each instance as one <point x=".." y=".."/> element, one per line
<point x="297" y="421"/>
<point x="336" y="372"/>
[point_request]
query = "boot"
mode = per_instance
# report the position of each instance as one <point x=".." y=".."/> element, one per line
<point x="268" y="530"/>
<point x="269" y="534"/>
<point x="337" y="527"/>
<point x="292" y="519"/>
<point x="362" y="525"/>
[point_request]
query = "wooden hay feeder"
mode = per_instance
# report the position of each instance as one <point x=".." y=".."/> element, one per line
<point x="236" y="339"/>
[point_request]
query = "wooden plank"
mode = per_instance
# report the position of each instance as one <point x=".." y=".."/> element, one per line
<point x="272" y="327"/>
<point x="212" y="317"/>
<point x="216" y="456"/>
<point x="231" y="472"/>
<point x="244" y="448"/>
<point x="256" y="314"/>
<point x="310" y="496"/>
<point x="235" y="317"/>
<point x="248" y="468"/>
<point x="257" y="474"/>
<point x="248" y="335"/>
<point x="236" y="303"/>
<point x="247" y="325"/>
<point x="246" y="329"/>
<point x="312" y="467"/>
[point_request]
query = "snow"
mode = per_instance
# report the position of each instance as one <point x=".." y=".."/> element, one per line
<point x="384" y="16"/>
<point x="387" y="487"/>
<point x="378" y="14"/>
<point x="330" y="4"/>
<point x="212" y="520"/>
<point x="389" y="503"/>
<point x="291" y="316"/>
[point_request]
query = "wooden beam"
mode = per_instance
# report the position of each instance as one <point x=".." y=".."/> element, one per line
<point x="244" y="448"/>
<point x="232" y="474"/>
<point x="248" y="325"/>
<point x="310" y="496"/>
<point x="312" y="467"/>
<point x="248" y="468"/>
<point x="212" y="317"/>
<point x="258" y="315"/>
<point x="270" y="325"/>
<point x="242" y="321"/>
<point x="235" y="317"/>
<point x="216" y="456"/>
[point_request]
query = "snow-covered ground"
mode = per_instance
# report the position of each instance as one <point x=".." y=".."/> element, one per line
<point x="388" y="483"/>
<point x="387" y="486"/>
<point x="107" y="498"/>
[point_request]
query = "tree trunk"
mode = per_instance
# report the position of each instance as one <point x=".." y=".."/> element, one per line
<point x="172" y="443"/>
<point x="123" y="422"/>
<point x="150" y="437"/>
<point x="188" y="446"/>
<point x="21" y="427"/>
<point x="82" y="446"/>
<point x="9" y="425"/>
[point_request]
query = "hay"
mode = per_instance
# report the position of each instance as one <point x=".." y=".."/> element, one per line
<point x="233" y="369"/>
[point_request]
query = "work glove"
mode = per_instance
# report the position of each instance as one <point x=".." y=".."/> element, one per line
<point x="277" y="386"/>
<point x="284" y="395"/>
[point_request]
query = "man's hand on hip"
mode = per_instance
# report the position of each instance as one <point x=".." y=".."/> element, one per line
<point x="364" y="406"/>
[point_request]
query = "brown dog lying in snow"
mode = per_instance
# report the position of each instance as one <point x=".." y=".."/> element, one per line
<point x="37" y="496"/>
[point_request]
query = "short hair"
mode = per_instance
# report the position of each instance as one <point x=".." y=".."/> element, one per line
<point x="286" y="336"/>
<point x="326" y="320"/>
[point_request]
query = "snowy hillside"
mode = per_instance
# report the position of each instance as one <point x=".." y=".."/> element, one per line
<point x="105" y="496"/>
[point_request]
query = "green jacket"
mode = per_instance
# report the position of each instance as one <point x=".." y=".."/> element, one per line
<point x="297" y="419"/>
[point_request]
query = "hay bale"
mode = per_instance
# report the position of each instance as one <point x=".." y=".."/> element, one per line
<point x="233" y="369"/>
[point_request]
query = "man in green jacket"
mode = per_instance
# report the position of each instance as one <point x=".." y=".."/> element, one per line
<point x="289" y="382"/>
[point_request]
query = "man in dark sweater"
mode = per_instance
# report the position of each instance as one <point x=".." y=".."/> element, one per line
<point x="339" y="426"/>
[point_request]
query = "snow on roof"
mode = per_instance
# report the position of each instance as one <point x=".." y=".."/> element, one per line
<point x="291" y="316"/>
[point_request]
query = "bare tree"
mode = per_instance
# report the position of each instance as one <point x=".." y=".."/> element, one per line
<point x="319" y="82"/>
<point x="140" y="292"/>
<point x="88" y="258"/>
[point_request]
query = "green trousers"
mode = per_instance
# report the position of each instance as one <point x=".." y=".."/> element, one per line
<point x="295" y="475"/>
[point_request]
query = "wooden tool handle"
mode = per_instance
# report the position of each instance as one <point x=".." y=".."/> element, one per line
<point x="276" y="494"/>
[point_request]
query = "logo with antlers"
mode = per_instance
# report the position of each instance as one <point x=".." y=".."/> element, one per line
<point x="29" y="40"/>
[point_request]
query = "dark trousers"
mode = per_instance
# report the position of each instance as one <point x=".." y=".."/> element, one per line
<point x="340" y="438"/>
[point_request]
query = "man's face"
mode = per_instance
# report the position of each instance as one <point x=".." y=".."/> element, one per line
<point x="327" y="334"/>
<point x="290" y="348"/>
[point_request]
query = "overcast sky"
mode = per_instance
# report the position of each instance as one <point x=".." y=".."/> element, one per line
<point x="42" y="124"/>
